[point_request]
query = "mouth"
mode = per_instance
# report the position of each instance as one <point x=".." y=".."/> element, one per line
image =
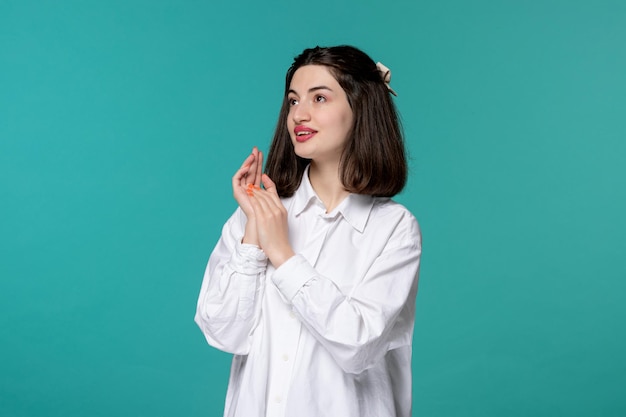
<point x="303" y="133"/>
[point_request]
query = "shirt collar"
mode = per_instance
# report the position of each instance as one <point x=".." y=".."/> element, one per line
<point x="355" y="208"/>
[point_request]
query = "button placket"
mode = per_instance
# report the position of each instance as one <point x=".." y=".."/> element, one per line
<point x="285" y="345"/>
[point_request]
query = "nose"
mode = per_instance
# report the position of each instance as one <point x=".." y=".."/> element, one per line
<point x="300" y="113"/>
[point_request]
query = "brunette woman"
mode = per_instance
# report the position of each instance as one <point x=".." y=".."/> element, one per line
<point x="312" y="284"/>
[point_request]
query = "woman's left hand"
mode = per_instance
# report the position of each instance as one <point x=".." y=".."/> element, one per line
<point x="271" y="222"/>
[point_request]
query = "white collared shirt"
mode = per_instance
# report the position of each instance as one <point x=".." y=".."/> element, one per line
<point x="329" y="332"/>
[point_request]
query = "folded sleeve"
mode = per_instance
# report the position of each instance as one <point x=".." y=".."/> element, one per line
<point x="229" y="302"/>
<point x="358" y="328"/>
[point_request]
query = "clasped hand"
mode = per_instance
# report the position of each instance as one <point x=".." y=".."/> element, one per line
<point x="266" y="226"/>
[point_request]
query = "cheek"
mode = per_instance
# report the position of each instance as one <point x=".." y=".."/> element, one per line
<point x="347" y="122"/>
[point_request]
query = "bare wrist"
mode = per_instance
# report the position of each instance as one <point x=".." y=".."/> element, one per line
<point x="250" y="234"/>
<point x="281" y="257"/>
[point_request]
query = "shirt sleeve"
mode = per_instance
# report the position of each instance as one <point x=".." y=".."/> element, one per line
<point x="229" y="302"/>
<point x="359" y="328"/>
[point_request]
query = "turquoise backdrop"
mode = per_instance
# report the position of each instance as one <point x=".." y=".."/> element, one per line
<point x="121" y="123"/>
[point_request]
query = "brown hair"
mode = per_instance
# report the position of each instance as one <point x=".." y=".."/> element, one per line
<point x="373" y="161"/>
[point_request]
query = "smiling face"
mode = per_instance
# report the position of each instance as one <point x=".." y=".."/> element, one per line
<point x="320" y="118"/>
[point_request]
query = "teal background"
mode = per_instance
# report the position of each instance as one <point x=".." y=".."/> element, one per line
<point x="121" y="123"/>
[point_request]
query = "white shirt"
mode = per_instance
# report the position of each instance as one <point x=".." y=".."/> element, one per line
<point x="329" y="332"/>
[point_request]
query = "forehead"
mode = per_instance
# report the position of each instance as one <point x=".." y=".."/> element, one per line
<point x="312" y="76"/>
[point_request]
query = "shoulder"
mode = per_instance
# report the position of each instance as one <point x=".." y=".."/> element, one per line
<point x="389" y="214"/>
<point x="386" y="207"/>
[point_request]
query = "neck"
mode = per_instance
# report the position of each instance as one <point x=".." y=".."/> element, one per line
<point x="326" y="183"/>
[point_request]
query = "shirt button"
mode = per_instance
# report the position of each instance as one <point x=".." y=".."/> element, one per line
<point x="278" y="399"/>
<point x="292" y="315"/>
<point x="285" y="357"/>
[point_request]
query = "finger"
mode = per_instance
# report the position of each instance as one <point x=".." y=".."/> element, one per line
<point x="242" y="171"/>
<point x="269" y="202"/>
<point x="252" y="170"/>
<point x="268" y="184"/>
<point x="257" y="203"/>
<point x="259" y="169"/>
<point x="245" y="166"/>
<point x="270" y="187"/>
<point x="260" y="198"/>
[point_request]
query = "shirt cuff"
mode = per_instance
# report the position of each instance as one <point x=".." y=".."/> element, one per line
<point x="292" y="275"/>
<point x="248" y="259"/>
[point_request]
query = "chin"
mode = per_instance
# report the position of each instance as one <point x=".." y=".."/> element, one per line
<point x="304" y="155"/>
<point x="301" y="151"/>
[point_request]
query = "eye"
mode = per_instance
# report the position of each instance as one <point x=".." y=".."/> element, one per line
<point x="320" y="99"/>
<point x="292" y="101"/>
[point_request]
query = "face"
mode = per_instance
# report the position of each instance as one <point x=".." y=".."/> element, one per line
<point x="320" y="117"/>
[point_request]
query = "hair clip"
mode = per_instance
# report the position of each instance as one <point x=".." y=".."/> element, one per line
<point x="385" y="74"/>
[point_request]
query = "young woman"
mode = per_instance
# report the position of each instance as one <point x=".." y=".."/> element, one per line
<point x="312" y="284"/>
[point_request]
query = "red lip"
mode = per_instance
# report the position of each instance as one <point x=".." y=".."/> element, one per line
<point x="303" y="133"/>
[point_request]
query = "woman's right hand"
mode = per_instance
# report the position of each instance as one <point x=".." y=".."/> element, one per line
<point x="250" y="172"/>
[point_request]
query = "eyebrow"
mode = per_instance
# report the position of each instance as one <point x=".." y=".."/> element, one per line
<point x="312" y="89"/>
